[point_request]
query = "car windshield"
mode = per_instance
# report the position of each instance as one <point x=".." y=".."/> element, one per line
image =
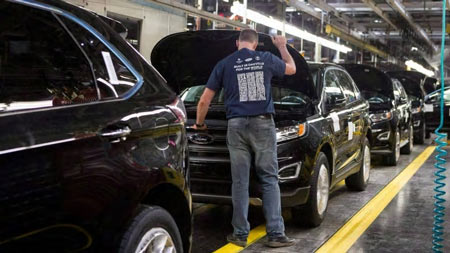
<point x="281" y="97"/>
<point x="436" y="96"/>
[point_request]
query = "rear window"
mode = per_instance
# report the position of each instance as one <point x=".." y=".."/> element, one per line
<point x="281" y="96"/>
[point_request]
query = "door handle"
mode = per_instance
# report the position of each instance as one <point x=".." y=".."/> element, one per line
<point x="121" y="132"/>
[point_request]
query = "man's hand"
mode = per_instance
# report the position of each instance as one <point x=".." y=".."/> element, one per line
<point x="195" y="127"/>
<point x="279" y="41"/>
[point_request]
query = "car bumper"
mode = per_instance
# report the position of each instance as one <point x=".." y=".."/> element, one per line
<point x="382" y="135"/>
<point x="211" y="181"/>
<point x="288" y="199"/>
<point x="418" y="121"/>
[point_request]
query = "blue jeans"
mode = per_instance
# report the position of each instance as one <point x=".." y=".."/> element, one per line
<point x="247" y="135"/>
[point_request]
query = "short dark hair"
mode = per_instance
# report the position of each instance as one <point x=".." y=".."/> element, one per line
<point x="248" y="35"/>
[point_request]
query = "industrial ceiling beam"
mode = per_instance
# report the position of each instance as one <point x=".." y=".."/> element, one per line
<point x="380" y="13"/>
<point x="330" y="9"/>
<point x="355" y="41"/>
<point x="200" y="13"/>
<point x="409" y="6"/>
<point x="338" y="30"/>
<point x="400" y="8"/>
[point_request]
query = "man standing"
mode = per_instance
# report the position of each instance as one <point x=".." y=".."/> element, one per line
<point x="246" y="78"/>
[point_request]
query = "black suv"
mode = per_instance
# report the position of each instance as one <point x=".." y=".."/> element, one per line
<point x="321" y="121"/>
<point x="433" y="112"/>
<point x="93" y="144"/>
<point x="414" y="88"/>
<point x="390" y="111"/>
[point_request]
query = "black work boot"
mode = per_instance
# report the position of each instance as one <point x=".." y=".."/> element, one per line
<point x="280" y="241"/>
<point x="239" y="241"/>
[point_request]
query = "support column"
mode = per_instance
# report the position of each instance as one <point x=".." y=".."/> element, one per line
<point x="245" y="12"/>
<point x="337" y="57"/>
<point x="317" y="52"/>
<point x="198" y="20"/>
<point x="283" y="13"/>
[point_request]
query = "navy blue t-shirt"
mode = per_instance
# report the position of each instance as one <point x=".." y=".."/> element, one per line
<point x="246" y="78"/>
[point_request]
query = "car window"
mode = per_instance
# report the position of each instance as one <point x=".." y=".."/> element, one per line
<point x="347" y="85"/>
<point x="332" y="89"/>
<point x="40" y="65"/>
<point x="113" y="77"/>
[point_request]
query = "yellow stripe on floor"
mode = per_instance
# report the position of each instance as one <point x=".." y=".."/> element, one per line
<point x="254" y="235"/>
<point x="203" y="208"/>
<point x="347" y="235"/>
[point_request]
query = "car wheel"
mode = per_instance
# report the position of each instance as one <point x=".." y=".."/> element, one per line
<point x="358" y="181"/>
<point x="420" y="139"/>
<point x="394" y="156"/>
<point x="407" y="149"/>
<point x="313" y="212"/>
<point x="428" y="134"/>
<point x="151" y="230"/>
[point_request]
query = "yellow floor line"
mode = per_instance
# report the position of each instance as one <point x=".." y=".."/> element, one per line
<point x="203" y="208"/>
<point x="347" y="235"/>
<point x="341" y="183"/>
<point x="254" y="235"/>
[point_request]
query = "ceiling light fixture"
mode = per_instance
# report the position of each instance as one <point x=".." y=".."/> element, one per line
<point x="291" y="9"/>
<point x="317" y="9"/>
<point x="418" y="67"/>
<point x="259" y="18"/>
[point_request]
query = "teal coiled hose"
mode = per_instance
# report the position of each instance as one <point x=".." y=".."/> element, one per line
<point x="439" y="208"/>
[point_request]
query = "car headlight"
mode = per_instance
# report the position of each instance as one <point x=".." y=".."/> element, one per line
<point x="377" y="117"/>
<point x="290" y="132"/>
<point x="416" y="110"/>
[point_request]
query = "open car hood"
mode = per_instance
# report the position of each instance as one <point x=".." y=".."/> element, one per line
<point x="187" y="59"/>
<point x="368" y="78"/>
<point x="410" y="81"/>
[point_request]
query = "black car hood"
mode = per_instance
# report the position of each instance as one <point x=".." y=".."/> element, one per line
<point x="430" y="84"/>
<point x="368" y="78"/>
<point x="186" y="59"/>
<point x="410" y="81"/>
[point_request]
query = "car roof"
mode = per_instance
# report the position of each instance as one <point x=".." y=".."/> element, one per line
<point x="322" y="65"/>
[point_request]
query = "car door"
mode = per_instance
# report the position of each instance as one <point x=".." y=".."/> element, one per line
<point x="337" y="114"/>
<point x="355" y="120"/>
<point x="65" y="149"/>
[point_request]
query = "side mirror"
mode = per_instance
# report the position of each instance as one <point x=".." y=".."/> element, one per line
<point x="333" y="101"/>
<point x="337" y="101"/>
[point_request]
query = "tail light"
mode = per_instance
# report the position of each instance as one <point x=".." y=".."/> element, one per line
<point x="177" y="107"/>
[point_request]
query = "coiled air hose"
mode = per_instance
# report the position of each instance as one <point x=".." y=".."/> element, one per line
<point x="441" y="141"/>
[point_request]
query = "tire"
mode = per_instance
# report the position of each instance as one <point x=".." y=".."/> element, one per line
<point x="394" y="156"/>
<point x="313" y="212"/>
<point x="428" y="135"/>
<point x="149" y="224"/>
<point x="358" y="181"/>
<point x="407" y="149"/>
<point x="420" y="138"/>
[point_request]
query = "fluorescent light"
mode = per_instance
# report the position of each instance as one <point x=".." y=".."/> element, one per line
<point x="226" y="1"/>
<point x="291" y="9"/>
<point x="317" y="9"/>
<point x="259" y="18"/>
<point x="418" y="67"/>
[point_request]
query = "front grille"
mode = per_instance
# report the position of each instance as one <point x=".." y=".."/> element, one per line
<point x="210" y="160"/>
